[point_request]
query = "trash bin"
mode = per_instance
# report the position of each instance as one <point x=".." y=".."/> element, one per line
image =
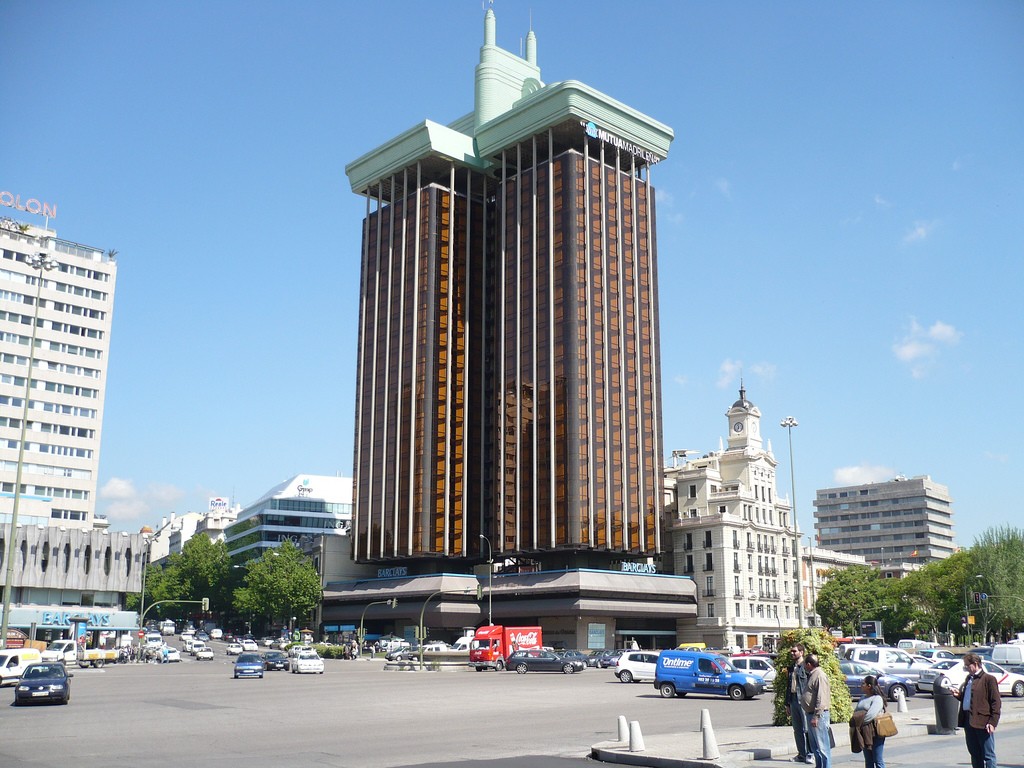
<point x="947" y="707"/>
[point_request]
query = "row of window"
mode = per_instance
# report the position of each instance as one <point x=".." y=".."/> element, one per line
<point x="42" y="405"/>
<point x="44" y="469"/>
<point x="46" y="428"/>
<point x="54" y="555"/>
<point x="46" y="448"/>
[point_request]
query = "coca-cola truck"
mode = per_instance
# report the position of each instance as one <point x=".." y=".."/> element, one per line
<point x="492" y="645"/>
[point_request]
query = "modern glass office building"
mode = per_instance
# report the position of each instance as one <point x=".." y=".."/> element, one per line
<point x="508" y="362"/>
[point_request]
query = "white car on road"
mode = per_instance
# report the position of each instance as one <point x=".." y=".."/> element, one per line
<point x="1010" y="683"/>
<point x="634" y="666"/>
<point x="307" y="660"/>
<point x="758" y="666"/>
<point x="204" y="654"/>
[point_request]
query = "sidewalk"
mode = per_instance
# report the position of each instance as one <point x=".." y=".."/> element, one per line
<point x="738" y="746"/>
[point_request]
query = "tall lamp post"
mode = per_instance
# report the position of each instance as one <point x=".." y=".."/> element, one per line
<point x="362" y="632"/>
<point x="490" y="574"/>
<point x="789" y="422"/>
<point x="40" y="262"/>
<point x="421" y="633"/>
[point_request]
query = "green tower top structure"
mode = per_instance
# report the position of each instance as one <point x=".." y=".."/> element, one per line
<point x="511" y="102"/>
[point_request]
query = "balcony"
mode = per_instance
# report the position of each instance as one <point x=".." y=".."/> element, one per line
<point x="709" y="593"/>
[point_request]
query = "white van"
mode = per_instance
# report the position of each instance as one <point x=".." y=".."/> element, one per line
<point x="1008" y="655"/>
<point x="462" y="644"/>
<point x="13" y="662"/>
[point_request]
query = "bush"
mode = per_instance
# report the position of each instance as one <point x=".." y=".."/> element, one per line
<point x="819" y="642"/>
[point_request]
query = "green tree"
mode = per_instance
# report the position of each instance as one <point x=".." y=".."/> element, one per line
<point x="998" y="557"/>
<point x="204" y="570"/>
<point x="815" y="641"/>
<point x="850" y="596"/>
<point x="281" y="584"/>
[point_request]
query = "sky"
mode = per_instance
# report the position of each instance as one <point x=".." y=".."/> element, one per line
<point x="839" y="220"/>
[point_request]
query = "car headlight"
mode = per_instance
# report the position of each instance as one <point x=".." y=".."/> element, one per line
<point x="57" y="687"/>
<point x="23" y="688"/>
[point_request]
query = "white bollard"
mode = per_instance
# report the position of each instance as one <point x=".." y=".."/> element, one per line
<point x="901" y="701"/>
<point x="707" y="733"/>
<point x="636" y="739"/>
<point x="623" y="729"/>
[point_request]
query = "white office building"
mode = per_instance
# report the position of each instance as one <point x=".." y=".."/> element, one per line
<point x="68" y="308"/>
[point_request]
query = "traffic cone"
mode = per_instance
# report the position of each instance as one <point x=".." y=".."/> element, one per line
<point x="636" y="739"/>
<point x="708" y="734"/>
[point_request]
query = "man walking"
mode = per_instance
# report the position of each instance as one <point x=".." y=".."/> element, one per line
<point x="980" y="706"/>
<point x="794" y="708"/>
<point x="817" y="700"/>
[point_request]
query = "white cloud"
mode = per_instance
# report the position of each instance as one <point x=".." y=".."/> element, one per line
<point x="865" y="473"/>
<point x="681" y="380"/>
<point x="921" y="230"/>
<point x="1001" y="458"/>
<point x="125" y="503"/>
<point x="881" y="202"/>
<point x="730" y="370"/>
<point x="724" y="187"/>
<point x="920" y="347"/>
<point x="667" y="211"/>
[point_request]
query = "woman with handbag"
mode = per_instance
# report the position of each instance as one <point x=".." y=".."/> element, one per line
<point x="872" y="703"/>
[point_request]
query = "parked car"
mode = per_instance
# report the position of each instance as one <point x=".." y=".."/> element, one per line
<point x="892" y="685"/>
<point x="539" y="660"/>
<point x="204" y="654"/>
<point x="574" y="655"/>
<point x="930" y="677"/>
<point x="759" y="666"/>
<point x="936" y="654"/>
<point x="1010" y="683"/>
<point x="594" y="656"/>
<point x="307" y="661"/>
<point x="892" y="661"/>
<point x="248" y="665"/>
<point x="275" y="660"/>
<point x="634" y="666"/>
<point x="44" y="681"/>
<point x="250" y="646"/>
<point x="608" y="658"/>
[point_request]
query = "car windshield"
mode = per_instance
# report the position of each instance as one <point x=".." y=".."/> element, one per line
<point x="249" y="658"/>
<point x="308" y="655"/>
<point x="44" y="670"/>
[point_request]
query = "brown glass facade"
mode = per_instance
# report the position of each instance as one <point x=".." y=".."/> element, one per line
<point x="508" y="359"/>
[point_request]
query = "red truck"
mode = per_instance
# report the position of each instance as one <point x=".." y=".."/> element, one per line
<point x="492" y="645"/>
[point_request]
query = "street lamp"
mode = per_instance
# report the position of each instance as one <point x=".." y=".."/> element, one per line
<point x="789" y="422"/>
<point x="362" y="633"/>
<point x="40" y="262"/>
<point x="423" y="635"/>
<point x="490" y="574"/>
<point x="967" y="609"/>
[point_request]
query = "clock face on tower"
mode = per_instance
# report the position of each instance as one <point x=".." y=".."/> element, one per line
<point x="737" y="427"/>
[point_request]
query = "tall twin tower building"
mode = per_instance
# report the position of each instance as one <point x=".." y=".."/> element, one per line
<point x="508" y="363"/>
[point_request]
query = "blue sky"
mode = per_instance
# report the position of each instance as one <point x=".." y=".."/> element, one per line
<point x="839" y="219"/>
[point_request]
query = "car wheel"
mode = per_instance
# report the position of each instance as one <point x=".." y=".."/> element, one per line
<point x="568" y="669"/>
<point x="236" y="675"/>
<point x="499" y="664"/>
<point x="897" y="691"/>
<point x="521" y="669"/>
<point x="99" y="663"/>
<point x="625" y="676"/>
<point x="1018" y="689"/>
<point x="735" y="692"/>
<point x="667" y="690"/>
<point x="67" y="699"/>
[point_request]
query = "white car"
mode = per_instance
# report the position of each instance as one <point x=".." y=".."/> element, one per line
<point x="634" y="666"/>
<point x="204" y="654"/>
<point x="1010" y="683"/>
<point x="758" y="666"/>
<point x="250" y="646"/>
<point x="216" y="634"/>
<point x="172" y="654"/>
<point x="307" y="660"/>
<point x="195" y="646"/>
<point x="233" y="649"/>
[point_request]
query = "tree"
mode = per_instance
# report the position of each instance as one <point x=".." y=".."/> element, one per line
<point x="850" y="596"/>
<point x="204" y="570"/>
<point x="998" y="556"/>
<point x="281" y="584"/>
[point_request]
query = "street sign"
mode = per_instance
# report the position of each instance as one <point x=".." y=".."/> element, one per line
<point x="142" y="633"/>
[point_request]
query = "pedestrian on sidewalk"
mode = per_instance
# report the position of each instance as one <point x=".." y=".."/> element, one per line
<point x="870" y="706"/>
<point x="980" y="707"/>
<point x="817" y="701"/>
<point x="797" y="676"/>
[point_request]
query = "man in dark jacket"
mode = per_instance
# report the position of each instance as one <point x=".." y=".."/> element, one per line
<point x="980" y="706"/>
<point x="797" y="677"/>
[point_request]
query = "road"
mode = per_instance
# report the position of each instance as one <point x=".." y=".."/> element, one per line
<point x="356" y="714"/>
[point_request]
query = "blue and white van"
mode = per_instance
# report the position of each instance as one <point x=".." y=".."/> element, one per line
<point x="681" y="672"/>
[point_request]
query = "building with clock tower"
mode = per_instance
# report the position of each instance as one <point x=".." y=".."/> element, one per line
<point x="732" y="533"/>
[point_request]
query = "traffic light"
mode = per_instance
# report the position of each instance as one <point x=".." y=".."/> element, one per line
<point x="963" y="621"/>
<point x="206" y="604"/>
<point x="479" y="592"/>
<point x="977" y="598"/>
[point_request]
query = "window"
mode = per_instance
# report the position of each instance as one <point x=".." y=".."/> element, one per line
<point x="693" y="492"/>
<point x="738" y="612"/>
<point x="707" y="539"/>
<point x="711" y="610"/>
<point x="709" y="561"/>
